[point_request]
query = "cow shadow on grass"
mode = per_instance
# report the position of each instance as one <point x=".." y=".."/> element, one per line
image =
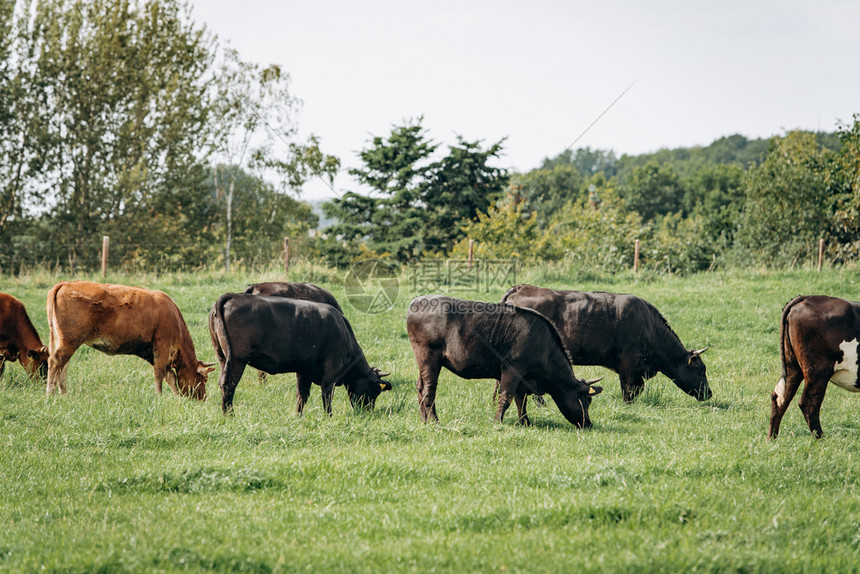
<point x="541" y="423"/>
<point x="550" y="424"/>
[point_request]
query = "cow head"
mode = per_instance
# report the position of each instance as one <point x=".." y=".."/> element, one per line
<point x="691" y="375"/>
<point x="365" y="388"/>
<point x="193" y="383"/>
<point x="576" y="400"/>
<point x="38" y="362"/>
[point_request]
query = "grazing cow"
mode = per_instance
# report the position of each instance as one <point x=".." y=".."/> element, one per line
<point x="818" y="341"/>
<point x="620" y="332"/>
<point x="476" y="340"/>
<point x="19" y="340"/>
<point x="282" y="335"/>
<point x="121" y="320"/>
<point x="305" y="291"/>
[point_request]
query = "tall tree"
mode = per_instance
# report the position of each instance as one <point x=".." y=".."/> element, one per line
<point x="262" y="217"/>
<point x="586" y="161"/>
<point x="461" y="184"/>
<point x="716" y="193"/>
<point x="653" y="189"/>
<point x="845" y="184"/>
<point x="417" y="206"/>
<point x="22" y="116"/>
<point x="788" y="204"/>
<point x="127" y="122"/>
<point x="549" y="189"/>
<point x="256" y="131"/>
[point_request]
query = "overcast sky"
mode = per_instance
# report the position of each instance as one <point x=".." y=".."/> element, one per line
<point x="539" y="72"/>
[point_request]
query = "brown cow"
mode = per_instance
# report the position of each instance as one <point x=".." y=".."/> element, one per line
<point x="19" y="340"/>
<point x="818" y="343"/>
<point x="121" y="320"/>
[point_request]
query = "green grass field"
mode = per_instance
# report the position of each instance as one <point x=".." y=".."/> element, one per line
<point x="112" y="477"/>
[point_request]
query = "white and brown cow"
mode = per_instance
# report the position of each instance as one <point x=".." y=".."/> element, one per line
<point x="19" y="340"/>
<point x="818" y="343"/>
<point x="122" y="320"/>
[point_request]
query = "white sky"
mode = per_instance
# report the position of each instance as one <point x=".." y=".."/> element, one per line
<point x="539" y="72"/>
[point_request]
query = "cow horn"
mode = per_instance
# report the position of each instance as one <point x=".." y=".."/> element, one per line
<point x="379" y="373"/>
<point x="590" y="382"/>
<point x="699" y="352"/>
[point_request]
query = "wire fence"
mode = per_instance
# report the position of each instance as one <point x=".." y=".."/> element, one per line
<point x="103" y="254"/>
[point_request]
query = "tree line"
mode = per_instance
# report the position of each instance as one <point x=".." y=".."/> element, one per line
<point x="734" y="202"/>
<point x="126" y="118"/>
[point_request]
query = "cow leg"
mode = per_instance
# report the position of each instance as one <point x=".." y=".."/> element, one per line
<point x="161" y="366"/>
<point x="507" y="391"/>
<point x="165" y="373"/>
<point x="171" y="382"/>
<point x="810" y="402"/>
<point x="327" y="391"/>
<point x="521" y="400"/>
<point x="781" y="397"/>
<point x="62" y="378"/>
<point x="632" y="382"/>
<point x="58" y="364"/>
<point x="2" y="364"/>
<point x="261" y="377"/>
<point x="428" y="378"/>
<point x="231" y="373"/>
<point x="303" y="389"/>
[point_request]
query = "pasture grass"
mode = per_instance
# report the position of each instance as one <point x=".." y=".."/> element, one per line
<point x="112" y="477"/>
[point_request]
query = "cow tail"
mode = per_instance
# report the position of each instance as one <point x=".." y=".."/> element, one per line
<point x="53" y="334"/>
<point x="218" y="330"/>
<point x="784" y="342"/>
<point x="509" y="292"/>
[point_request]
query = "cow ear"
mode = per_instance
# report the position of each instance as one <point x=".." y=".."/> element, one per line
<point x="384" y="386"/>
<point x="205" y="368"/>
<point x="594" y="391"/>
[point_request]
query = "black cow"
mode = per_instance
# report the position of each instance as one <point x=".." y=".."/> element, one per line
<point x="620" y="332"/>
<point x="476" y="340"/>
<point x="818" y="340"/>
<point x="281" y="335"/>
<point x="305" y="291"/>
<point x="293" y="290"/>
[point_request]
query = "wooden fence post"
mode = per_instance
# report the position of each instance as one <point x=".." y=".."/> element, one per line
<point x="820" y="252"/>
<point x="286" y="256"/>
<point x="105" y="246"/>
<point x="636" y="257"/>
<point x="471" y="252"/>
